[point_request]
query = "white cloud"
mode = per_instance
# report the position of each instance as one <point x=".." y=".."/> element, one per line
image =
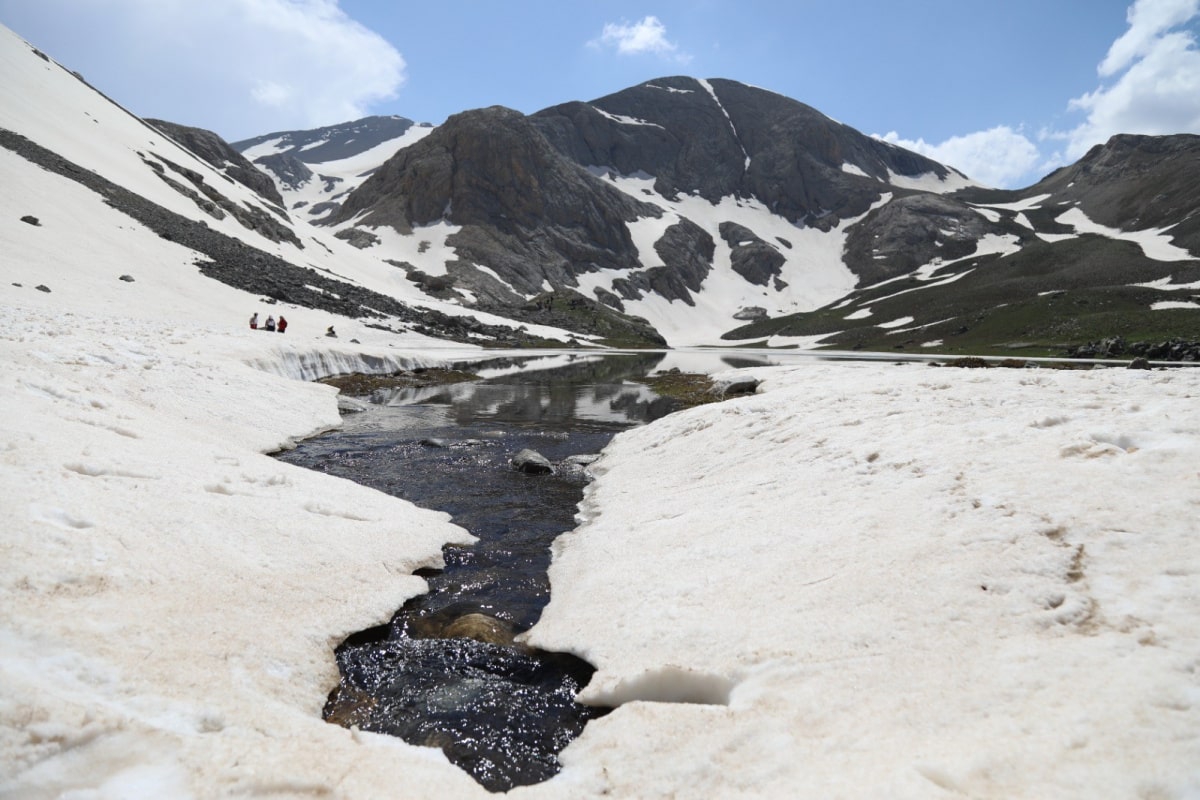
<point x="996" y="157"/>
<point x="648" y="35"/>
<point x="1148" y="19"/>
<point x="240" y="67"/>
<point x="1156" y="89"/>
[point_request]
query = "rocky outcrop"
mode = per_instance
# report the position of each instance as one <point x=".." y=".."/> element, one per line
<point x="915" y="230"/>
<point x="215" y="151"/>
<point x="287" y="169"/>
<point x="332" y="142"/>
<point x="754" y="259"/>
<point x="212" y="202"/>
<point x="1117" y="347"/>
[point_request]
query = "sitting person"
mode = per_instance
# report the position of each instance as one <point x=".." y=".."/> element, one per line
<point x="270" y="324"/>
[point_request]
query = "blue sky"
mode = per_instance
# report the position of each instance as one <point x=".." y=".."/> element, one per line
<point x="1003" y="90"/>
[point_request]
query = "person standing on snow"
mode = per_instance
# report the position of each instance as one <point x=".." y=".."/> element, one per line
<point x="282" y="324"/>
<point x="254" y="322"/>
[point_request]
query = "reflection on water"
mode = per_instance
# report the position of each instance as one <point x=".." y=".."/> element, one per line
<point x="498" y="710"/>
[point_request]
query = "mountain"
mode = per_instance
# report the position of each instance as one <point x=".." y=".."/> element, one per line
<point x="1106" y="247"/>
<point x="316" y="168"/>
<point x="94" y="194"/>
<point x="731" y="202"/>
<point x="679" y="211"/>
<point x="738" y="205"/>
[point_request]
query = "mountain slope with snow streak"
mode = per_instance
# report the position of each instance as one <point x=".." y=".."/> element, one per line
<point x="91" y="138"/>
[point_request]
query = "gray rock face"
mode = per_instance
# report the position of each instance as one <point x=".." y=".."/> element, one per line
<point x="528" y="213"/>
<point x="687" y="252"/>
<point x="291" y="171"/>
<point x="736" y="140"/>
<point x="911" y="231"/>
<point x="216" y="151"/>
<point x="333" y="142"/>
<point x="1134" y="183"/>
<point x="752" y="258"/>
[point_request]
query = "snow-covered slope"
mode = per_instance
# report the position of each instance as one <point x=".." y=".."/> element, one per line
<point x="894" y="581"/>
<point x="43" y="103"/>
<point x="811" y="273"/>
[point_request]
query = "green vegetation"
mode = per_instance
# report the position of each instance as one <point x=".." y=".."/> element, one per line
<point x="1039" y="302"/>
<point x="687" y="389"/>
<point x="572" y="311"/>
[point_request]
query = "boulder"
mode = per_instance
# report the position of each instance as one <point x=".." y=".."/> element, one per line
<point x="532" y="462"/>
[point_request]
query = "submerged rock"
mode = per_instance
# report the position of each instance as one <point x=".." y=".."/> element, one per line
<point x="481" y="628"/>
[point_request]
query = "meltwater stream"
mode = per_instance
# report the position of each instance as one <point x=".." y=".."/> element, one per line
<point x="445" y="671"/>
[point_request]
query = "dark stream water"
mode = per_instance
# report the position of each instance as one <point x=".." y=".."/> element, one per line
<point x="445" y="671"/>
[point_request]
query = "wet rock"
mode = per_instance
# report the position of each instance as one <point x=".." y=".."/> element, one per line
<point x="582" y="460"/>
<point x="1141" y="362"/>
<point x="32" y="220"/>
<point x="532" y="462"/>
<point x="41" y="287"/>
<point x="126" y="278"/>
<point x="348" y="405"/>
<point x="736" y="387"/>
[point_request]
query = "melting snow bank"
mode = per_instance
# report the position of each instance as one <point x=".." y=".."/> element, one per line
<point x="314" y="364"/>
<point x="904" y="581"/>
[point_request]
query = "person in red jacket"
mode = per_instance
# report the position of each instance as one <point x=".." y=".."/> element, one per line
<point x="282" y="326"/>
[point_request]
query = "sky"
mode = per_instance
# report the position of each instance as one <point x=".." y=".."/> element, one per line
<point x="1005" y="92"/>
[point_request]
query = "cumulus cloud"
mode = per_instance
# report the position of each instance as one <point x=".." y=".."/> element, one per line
<point x="240" y="67"/>
<point x="1155" y="72"/>
<point x="998" y="157"/>
<point x="648" y="35"/>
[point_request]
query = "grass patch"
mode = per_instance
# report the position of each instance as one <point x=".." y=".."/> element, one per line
<point x="687" y="389"/>
<point x="360" y="385"/>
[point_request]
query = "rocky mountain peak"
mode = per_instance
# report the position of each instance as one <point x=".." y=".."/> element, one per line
<point x="332" y="142"/>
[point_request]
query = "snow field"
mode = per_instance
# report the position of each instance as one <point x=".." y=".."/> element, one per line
<point x="917" y="581"/>
<point x="172" y="595"/>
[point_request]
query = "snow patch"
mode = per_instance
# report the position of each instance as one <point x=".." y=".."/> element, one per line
<point x="1154" y="242"/>
<point x="931" y="182"/>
